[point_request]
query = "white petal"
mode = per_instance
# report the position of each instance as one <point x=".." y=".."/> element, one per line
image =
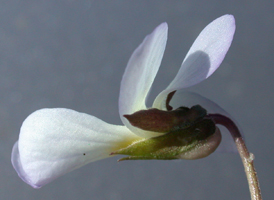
<point x="53" y="142"/>
<point x="189" y="99"/>
<point x="140" y="73"/>
<point x="204" y="57"/>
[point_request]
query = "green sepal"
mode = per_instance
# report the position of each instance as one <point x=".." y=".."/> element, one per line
<point x="171" y="145"/>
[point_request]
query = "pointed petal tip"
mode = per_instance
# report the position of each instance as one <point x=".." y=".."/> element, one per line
<point x="227" y="20"/>
<point x="163" y="25"/>
<point x="229" y="17"/>
<point x="162" y="31"/>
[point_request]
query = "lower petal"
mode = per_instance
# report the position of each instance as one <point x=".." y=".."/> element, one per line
<point x="53" y="142"/>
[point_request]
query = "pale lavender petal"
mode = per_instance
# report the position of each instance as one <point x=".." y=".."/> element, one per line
<point x="53" y="142"/>
<point x="204" y="57"/>
<point x="140" y="73"/>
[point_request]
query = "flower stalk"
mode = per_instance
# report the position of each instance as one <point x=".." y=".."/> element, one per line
<point x="246" y="156"/>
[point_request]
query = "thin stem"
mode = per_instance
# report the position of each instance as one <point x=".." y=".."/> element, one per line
<point x="247" y="158"/>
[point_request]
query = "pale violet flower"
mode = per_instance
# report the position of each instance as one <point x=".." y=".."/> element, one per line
<point x="55" y="141"/>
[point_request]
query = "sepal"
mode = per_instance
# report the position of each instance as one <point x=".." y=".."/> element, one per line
<point x="195" y="142"/>
<point x="165" y="121"/>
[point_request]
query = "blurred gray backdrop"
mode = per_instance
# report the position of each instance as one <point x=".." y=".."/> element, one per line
<point x="73" y="54"/>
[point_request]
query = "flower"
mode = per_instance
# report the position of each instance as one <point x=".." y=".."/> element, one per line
<point x="55" y="141"/>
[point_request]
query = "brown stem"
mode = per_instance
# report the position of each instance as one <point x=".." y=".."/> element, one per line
<point x="247" y="158"/>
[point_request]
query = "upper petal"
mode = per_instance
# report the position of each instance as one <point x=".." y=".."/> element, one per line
<point x="204" y="57"/>
<point x="53" y="142"/>
<point x="140" y="72"/>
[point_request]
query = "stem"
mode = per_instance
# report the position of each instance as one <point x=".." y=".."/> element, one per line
<point x="247" y="158"/>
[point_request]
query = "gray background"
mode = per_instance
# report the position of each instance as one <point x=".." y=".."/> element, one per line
<point x="73" y="53"/>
